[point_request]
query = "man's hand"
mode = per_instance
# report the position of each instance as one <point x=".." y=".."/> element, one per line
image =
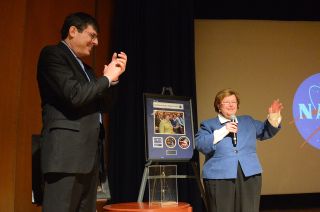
<point x="116" y="67"/>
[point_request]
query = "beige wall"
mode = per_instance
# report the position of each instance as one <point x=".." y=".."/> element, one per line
<point x="263" y="60"/>
<point x="26" y="26"/>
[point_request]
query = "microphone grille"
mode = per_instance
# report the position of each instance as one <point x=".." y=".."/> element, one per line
<point x="233" y="117"/>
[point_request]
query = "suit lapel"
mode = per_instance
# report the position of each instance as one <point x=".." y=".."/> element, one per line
<point x="74" y="63"/>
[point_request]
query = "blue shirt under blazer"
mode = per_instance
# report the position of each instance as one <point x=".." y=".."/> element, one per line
<point x="222" y="158"/>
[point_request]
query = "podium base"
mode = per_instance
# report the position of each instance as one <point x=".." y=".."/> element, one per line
<point x="145" y="207"/>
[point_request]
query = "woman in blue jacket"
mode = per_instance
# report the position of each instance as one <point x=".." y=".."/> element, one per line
<point x="232" y="171"/>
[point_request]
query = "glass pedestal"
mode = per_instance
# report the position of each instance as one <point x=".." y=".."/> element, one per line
<point x="163" y="187"/>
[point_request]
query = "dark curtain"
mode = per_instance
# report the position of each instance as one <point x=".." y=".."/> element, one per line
<point x="158" y="37"/>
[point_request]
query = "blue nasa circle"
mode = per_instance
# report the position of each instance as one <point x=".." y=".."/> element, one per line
<point x="306" y="105"/>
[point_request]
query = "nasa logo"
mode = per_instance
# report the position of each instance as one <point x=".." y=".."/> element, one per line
<point x="306" y="110"/>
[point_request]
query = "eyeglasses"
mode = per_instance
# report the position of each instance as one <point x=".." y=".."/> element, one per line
<point x="229" y="103"/>
<point x="92" y="35"/>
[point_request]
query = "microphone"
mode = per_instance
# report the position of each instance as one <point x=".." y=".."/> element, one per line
<point x="234" y="141"/>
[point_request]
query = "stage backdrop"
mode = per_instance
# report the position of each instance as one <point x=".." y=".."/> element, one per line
<point x="265" y="60"/>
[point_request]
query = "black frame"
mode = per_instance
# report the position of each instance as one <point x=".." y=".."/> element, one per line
<point x="168" y="140"/>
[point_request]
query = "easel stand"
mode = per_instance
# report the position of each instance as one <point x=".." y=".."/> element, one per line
<point x="162" y="179"/>
<point x="146" y="177"/>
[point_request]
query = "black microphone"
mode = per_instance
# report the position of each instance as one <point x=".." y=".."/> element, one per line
<point x="234" y="141"/>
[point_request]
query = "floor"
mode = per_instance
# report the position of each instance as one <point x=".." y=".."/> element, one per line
<point x="291" y="203"/>
<point x="292" y="210"/>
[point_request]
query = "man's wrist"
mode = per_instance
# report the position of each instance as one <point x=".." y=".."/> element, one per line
<point x="114" y="82"/>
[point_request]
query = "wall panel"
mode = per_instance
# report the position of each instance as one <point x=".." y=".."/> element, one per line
<point x="28" y="26"/>
<point x="12" y="25"/>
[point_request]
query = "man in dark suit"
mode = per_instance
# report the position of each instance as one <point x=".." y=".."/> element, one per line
<point x="73" y="101"/>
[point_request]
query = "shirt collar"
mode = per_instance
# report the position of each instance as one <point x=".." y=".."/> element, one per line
<point x="69" y="49"/>
<point x="223" y="120"/>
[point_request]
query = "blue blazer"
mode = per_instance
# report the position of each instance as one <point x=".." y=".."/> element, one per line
<point x="222" y="158"/>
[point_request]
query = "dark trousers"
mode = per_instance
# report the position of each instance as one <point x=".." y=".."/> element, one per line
<point x="70" y="192"/>
<point x="234" y="195"/>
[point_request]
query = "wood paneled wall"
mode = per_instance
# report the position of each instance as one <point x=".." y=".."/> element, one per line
<point x="26" y="26"/>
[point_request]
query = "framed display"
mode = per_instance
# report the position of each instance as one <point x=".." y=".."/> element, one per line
<point x="168" y="127"/>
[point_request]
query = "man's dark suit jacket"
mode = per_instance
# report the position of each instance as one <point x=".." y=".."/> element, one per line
<point x="70" y="111"/>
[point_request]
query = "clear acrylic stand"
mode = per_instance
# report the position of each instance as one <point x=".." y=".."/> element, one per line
<point x="163" y="189"/>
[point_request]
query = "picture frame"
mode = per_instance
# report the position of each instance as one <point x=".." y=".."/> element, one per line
<point x="168" y="127"/>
